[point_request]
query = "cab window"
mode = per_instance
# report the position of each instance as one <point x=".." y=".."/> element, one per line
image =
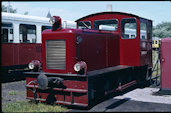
<point x="143" y="30"/>
<point x="128" y="28"/>
<point x="109" y="25"/>
<point x="84" y="25"/>
<point x="149" y="30"/>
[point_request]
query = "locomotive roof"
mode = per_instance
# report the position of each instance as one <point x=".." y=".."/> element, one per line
<point x="100" y="13"/>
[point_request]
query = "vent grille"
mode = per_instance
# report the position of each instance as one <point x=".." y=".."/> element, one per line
<point x="56" y="54"/>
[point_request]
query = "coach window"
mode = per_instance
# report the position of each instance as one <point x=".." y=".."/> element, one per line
<point x="84" y="25"/>
<point x="46" y="27"/>
<point x="143" y="30"/>
<point x="27" y="33"/>
<point x="128" y="28"/>
<point x="7" y="33"/>
<point x="109" y="25"/>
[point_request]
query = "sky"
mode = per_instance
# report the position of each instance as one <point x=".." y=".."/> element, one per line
<point x="157" y="11"/>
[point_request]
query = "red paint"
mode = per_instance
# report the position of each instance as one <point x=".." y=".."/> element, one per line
<point x="65" y="95"/>
<point x="166" y="63"/>
<point x="146" y="45"/>
<point x="19" y="54"/>
<point x="69" y="37"/>
<point x="99" y="49"/>
<point x="129" y="49"/>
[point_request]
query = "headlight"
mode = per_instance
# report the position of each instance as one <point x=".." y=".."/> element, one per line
<point x="31" y="65"/>
<point x="77" y="67"/>
<point x="52" y="20"/>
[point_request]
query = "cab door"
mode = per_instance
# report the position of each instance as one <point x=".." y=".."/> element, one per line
<point x="129" y="42"/>
<point x="145" y="42"/>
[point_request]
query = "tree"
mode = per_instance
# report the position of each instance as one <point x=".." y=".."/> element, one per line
<point x="4" y="9"/>
<point x="162" y="30"/>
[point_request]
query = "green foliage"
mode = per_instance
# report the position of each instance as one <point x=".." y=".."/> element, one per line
<point x="162" y="30"/>
<point x="25" y="106"/>
<point x="4" y="9"/>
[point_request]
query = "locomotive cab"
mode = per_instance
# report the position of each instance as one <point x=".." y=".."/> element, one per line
<point x="108" y="52"/>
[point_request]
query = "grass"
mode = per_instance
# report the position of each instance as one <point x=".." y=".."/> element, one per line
<point x="29" y="106"/>
<point x="16" y="93"/>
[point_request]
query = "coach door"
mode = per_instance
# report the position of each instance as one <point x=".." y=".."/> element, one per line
<point x="4" y="35"/>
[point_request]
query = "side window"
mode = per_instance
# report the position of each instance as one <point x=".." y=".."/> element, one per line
<point x="149" y="30"/>
<point x="110" y="25"/>
<point x="27" y="33"/>
<point x="84" y="25"/>
<point x="143" y="30"/>
<point x="46" y="27"/>
<point x="128" y="28"/>
<point x="7" y="33"/>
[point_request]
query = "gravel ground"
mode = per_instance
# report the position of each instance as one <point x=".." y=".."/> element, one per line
<point x="127" y="105"/>
<point x="143" y="99"/>
<point x="146" y="95"/>
<point x="13" y="91"/>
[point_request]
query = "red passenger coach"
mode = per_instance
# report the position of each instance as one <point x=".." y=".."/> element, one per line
<point x="20" y="41"/>
<point x="108" y="52"/>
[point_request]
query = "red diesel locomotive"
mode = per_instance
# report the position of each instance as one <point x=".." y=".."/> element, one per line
<point x="108" y="52"/>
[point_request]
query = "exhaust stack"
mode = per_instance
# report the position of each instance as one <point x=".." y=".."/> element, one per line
<point x="109" y="7"/>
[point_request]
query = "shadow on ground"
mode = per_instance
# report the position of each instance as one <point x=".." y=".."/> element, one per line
<point x="12" y="77"/>
<point x="115" y="103"/>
